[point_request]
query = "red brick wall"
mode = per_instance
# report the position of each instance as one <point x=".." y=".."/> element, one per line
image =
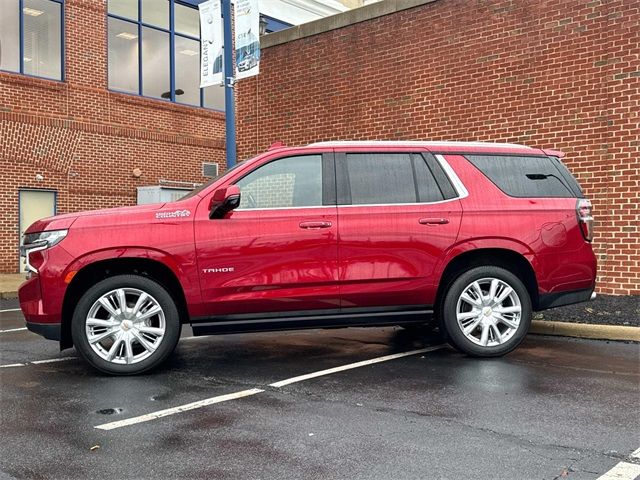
<point x="85" y="141"/>
<point x="556" y="74"/>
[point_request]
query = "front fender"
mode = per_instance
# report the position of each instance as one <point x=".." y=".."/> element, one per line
<point x="187" y="277"/>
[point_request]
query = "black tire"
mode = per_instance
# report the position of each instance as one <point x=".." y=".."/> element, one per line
<point x="164" y="348"/>
<point x="453" y="330"/>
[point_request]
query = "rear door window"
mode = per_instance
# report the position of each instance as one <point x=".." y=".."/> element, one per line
<point x="527" y="176"/>
<point x="387" y="178"/>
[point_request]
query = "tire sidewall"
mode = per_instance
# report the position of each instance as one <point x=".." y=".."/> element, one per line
<point x="449" y="316"/>
<point x="164" y="299"/>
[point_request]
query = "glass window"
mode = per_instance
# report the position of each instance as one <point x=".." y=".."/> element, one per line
<point x="123" y="55"/>
<point x="156" y="12"/>
<point x="41" y="37"/>
<point x="526" y="176"/>
<point x="381" y="178"/>
<point x="124" y="8"/>
<point x="428" y="189"/>
<point x="10" y="35"/>
<point x="155" y="63"/>
<point x="187" y="73"/>
<point x="187" y="20"/>
<point x="141" y="36"/>
<point x="285" y="183"/>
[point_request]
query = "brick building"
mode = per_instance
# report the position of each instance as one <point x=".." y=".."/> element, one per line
<point x="562" y="74"/>
<point x="68" y="140"/>
<point x="99" y="97"/>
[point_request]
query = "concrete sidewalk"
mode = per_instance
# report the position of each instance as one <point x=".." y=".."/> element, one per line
<point x="9" y="283"/>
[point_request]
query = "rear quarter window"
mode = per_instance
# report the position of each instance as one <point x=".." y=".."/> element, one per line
<point x="528" y="176"/>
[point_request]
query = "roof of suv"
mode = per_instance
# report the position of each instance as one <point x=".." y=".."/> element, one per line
<point x="443" y="146"/>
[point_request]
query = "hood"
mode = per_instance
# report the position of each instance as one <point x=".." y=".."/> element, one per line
<point x="61" y="222"/>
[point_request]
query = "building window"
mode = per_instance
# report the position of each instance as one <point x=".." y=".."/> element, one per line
<point x="31" y="37"/>
<point x="154" y="51"/>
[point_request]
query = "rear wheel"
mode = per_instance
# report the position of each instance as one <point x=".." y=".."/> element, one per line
<point x="125" y="325"/>
<point x="486" y="312"/>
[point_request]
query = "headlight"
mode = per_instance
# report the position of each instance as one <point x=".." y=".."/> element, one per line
<point x="34" y="242"/>
<point x="44" y="238"/>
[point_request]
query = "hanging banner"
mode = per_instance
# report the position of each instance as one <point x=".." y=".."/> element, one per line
<point x="247" y="19"/>
<point x="211" y="63"/>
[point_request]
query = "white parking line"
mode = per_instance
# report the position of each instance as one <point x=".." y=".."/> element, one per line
<point x="10" y="310"/>
<point x="254" y="391"/>
<point x="181" y="408"/>
<point x="13" y="330"/>
<point x="364" y="363"/>
<point x="622" y="471"/>
<point x="635" y="454"/>
<point x="38" y="362"/>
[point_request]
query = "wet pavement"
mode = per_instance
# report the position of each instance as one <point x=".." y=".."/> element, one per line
<point x="554" y="408"/>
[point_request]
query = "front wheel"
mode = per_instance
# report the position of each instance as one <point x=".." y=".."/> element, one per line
<point x="126" y="324"/>
<point x="486" y="312"/>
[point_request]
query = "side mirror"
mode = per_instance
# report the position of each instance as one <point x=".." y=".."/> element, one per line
<point x="223" y="201"/>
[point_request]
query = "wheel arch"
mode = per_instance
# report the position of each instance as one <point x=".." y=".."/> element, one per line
<point x="92" y="272"/>
<point x="511" y="260"/>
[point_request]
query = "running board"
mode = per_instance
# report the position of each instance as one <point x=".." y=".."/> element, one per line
<point x="305" y="321"/>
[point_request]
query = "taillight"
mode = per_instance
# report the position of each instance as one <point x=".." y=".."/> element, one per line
<point x="585" y="218"/>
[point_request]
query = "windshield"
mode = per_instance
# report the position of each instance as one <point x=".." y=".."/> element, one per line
<point x="196" y="191"/>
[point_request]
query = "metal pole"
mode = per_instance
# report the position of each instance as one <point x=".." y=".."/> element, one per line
<point x="229" y="73"/>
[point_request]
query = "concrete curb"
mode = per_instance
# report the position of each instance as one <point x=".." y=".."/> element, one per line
<point x="586" y="330"/>
<point x="8" y="295"/>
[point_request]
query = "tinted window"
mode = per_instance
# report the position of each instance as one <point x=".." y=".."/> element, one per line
<point x="568" y="177"/>
<point x="441" y="178"/>
<point x="428" y="189"/>
<point x="288" y="182"/>
<point x="388" y="178"/>
<point x="523" y="176"/>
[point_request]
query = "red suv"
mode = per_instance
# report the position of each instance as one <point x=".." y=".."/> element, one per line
<point x="473" y="236"/>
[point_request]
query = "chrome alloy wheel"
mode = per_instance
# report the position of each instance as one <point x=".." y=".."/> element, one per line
<point x="125" y="326"/>
<point x="489" y="312"/>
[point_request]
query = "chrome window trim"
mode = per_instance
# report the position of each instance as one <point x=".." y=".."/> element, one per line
<point x="281" y="208"/>
<point x="453" y="176"/>
<point x="458" y="186"/>
<point x="404" y="204"/>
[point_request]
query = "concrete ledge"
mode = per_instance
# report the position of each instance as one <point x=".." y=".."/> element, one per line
<point x="339" y="20"/>
<point x="8" y="295"/>
<point x="586" y="330"/>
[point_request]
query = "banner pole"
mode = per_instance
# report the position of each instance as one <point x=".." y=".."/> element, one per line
<point x="229" y="74"/>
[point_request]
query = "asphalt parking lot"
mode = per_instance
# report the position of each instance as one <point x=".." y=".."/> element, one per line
<point x="555" y="408"/>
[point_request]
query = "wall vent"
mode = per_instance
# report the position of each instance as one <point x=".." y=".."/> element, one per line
<point x="210" y="170"/>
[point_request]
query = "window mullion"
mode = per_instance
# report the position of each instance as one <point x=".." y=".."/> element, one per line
<point x="139" y="59"/>
<point x="172" y="53"/>
<point x="21" y="34"/>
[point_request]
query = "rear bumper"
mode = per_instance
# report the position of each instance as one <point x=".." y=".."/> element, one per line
<point x="558" y="299"/>
<point x="50" y="331"/>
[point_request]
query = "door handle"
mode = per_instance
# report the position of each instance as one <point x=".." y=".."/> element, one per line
<point x="433" y="221"/>
<point x="315" y="225"/>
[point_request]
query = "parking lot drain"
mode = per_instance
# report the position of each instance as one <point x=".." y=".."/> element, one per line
<point x="110" y="411"/>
